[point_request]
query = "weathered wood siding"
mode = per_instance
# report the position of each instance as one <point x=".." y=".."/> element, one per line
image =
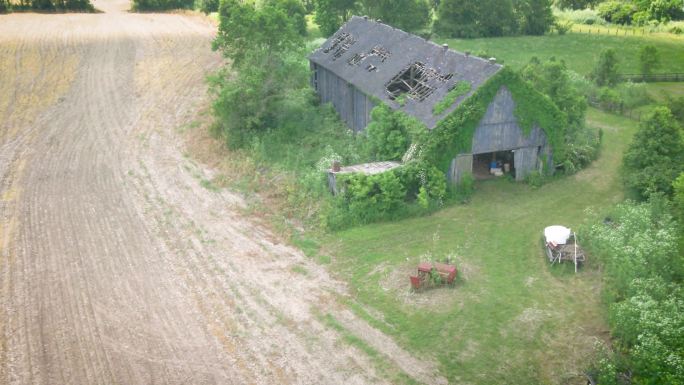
<point x="353" y="105"/>
<point x="460" y="165"/>
<point x="499" y="131"/>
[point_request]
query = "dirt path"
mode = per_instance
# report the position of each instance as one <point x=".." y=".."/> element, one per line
<point x="116" y="265"/>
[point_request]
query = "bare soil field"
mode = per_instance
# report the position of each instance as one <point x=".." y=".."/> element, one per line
<point x="116" y="265"/>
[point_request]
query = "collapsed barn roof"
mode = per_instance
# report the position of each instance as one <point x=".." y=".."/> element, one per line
<point x="386" y="63"/>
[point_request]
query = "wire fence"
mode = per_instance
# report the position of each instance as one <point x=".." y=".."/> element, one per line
<point x="649" y="78"/>
<point x="615" y="108"/>
<point x="611" y="32"/>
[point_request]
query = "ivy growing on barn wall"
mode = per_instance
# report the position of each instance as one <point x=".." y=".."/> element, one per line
<point x="454" y="134"/>
<point x="392" y="194"/>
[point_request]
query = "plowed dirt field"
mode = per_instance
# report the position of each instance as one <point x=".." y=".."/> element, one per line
<point x="116" y="265"/>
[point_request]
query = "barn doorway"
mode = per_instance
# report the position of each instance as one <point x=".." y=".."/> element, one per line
<point x="490" y="165"/>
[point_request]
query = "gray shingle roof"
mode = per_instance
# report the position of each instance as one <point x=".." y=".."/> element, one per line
<point x="352" y="59"/>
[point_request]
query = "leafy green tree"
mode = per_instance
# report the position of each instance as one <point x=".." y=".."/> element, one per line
<point x="331" y="14"/>
<point x="458" y="18"/>
<point x="553" y="79"/>
<point x="207" y="6"/>
<point x="617" y="12"/>
<point x="649" y="60"/>
<point x="575" y="4"/>
<point x="295" y="11"/>
<point x="243" y="28"/>
<point x="676" y="106"/>
<point x="43" y="5"/>
<point x="4" y="6"/>
<point x="656" y="155"/>
<point x="606" y="70"/>
<point x="678" y="198"/>
<point x="662" y="10"/>
<point x="497" y="18"/>
<point x="146" y="5"/>
<point x="409" y="15"/>
<point x="471" y="18"/>
<point x="267" y="76"/>
<point x="536" y="15"/>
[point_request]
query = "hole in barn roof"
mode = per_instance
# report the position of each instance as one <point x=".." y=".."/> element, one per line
<point x="416" y="81"/>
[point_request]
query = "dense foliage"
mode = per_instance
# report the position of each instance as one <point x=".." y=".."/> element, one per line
<point x="637" y="245"/>
<point x="656" y="156"/>
<point x="47" y="5"/>
<point x="331" y="14"/>
<point x="641" y="12"/>
<point x="478" y="18"/>
<point x="207" y="6"/>
<point x="606" y="71"/>
<point x="160" y="5"/>
<point x="552" y="78"/>
<point x="676" y="106"/>
<point x="391" y="132"/>
<point x="414" y="188"/>
<point x="409" y="15"/>
<point x="575" y="4"/>
<point x="649" y="60"/>
<point x="267" y="82"/>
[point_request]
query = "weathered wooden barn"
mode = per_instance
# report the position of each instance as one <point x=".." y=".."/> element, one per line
<point x="367" y="62"/>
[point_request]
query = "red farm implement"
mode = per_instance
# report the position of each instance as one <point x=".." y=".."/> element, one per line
<point x="433" y="274"/>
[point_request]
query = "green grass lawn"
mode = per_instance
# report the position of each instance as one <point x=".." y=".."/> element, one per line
<point x="579" y="50"/>
<point x="512" y="318"/>
<point x="659" y="91"/>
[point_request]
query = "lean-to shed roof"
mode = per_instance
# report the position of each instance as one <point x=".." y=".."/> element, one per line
<point x="369" y="54"/>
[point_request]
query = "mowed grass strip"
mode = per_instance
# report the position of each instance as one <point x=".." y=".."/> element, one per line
<point x="580" y="51"/>
<point x="511" y="318"/>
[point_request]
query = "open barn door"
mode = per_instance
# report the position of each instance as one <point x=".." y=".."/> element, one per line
<point x="526" y="160"/>
<point x="460" y="165"/>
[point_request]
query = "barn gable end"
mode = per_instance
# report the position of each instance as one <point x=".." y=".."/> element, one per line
<point x="499" y="133"/>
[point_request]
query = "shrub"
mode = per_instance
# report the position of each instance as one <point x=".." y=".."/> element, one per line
<point x="606" y="71"/>
<point x="390" y="133"/>
<point x="650" y="323"/>
<point x="575" y="4"/>
<point x="535" y="179"/>
<point x="678" y="197"/>
<point x="464" y="188"/>
<point x="617" y="12"/>
<point x="656" y="155"/>
<point x="4" y="6"/>
<point x="563" y="27"/>
<point x="609" y="99"/>
<point x="160" y="5"/>
<point x="207" y="6"/>
<point x="410" y="189"/>
<point x="676" y="106"/>
<point x="633" y="95"/>
<point x="582" y="16"/>
<point x="649" y="60"/>
<point x="638" y="242"/>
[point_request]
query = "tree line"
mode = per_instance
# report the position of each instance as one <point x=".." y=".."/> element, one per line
<point x="46" y="5"/>
<point x="637" y="12"/>
<point x="453" y="18"/>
